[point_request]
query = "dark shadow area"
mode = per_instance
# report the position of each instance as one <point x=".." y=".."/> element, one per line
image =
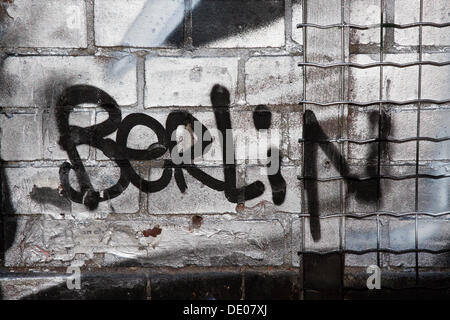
<point x="397" y="294"/>
<point x="8" y="220"/>
<point x="323" y="276"/>
<point x="98" y="286"/>
<point x="226" y="285"/>
<point x="220" y="19"/>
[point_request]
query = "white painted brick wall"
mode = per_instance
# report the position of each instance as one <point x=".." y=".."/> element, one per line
<point x="136" y="23"/>
<point x="119" y="46"/>
<point x="399" y="83"/>
<point x="365" y="12"/>
<point x="187" y="81"/>
<point x="34" y="81"/>
<point x="239" y="17"/>
<point x="433" y="11"/>
<point x="19" y="135"/>
<point x="45" y="23"/>
<point x="52" y="150"/>
<point x="241" y="242"/>
<point x="273" y="80"/>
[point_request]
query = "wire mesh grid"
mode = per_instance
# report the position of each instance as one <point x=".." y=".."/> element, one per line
<point x="381" y="103"/>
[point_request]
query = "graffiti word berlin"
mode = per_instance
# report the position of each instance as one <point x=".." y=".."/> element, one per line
<point x="95" y="136"/>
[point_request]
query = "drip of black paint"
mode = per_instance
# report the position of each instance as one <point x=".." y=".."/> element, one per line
<point x="277" y="182"/>
<point x="262" y="119"/>
<point x="220" y="98"/>
<point x="314" y="137"/>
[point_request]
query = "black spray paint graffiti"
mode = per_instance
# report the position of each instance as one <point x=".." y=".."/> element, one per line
<point x="315" y="137"/>
<point x="73" y="136"/>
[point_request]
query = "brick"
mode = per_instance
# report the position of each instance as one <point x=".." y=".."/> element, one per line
<point x="329" y="235"/>
<point x="360" y="260"/>
<point x="38" y="81"/>
<point x="399" y="123"/>
<point x="35" y="191"/>
<point x="365" y="12"/>
<point x="401" y="83"/>
<point x="362" y="123"/>
<point x="328" y="198"/>
<point x="328" y="192"/>
<point x="398" y="83"/>
<point x="198" y="197"/>
<point x="139" y="23"/>
<point x="21" y="182"/>
<point x="61" y="23"/>
<point x="434" y="260"/>
<point x="187" y="81"/>
<point x="323" y="45"/>
<point x="232" y="24"/>
<point x="322" y="85"/>
<point x="433" y="11"/>
<point x="434" y="193"/>
<point x="435" y="83"/>
<point x="297" y="17"/>
<point x="273" y="80"/>
<point x="295" y="132"/>
<point x="398" y="234"/>
<point x="360" y="235"/>
<point x="102" y="178"/>
<point x="52" y="149"/>
<point x="292" y="202"/>
<point x="21" y="137"/>
<point x="397" y="195"/>
<point x="433" y="234"/>
<point x="241" y="242"/>
<point x="296" y="240"/>
<point x="272" y="286"/>
<point x="364" y="84"/>
<point x="328" y="119"/>
<point x="196" y="286"/>
<point x="251" y="144"/>
<point x="433" y="123"/>
<point x="361" y="195"/>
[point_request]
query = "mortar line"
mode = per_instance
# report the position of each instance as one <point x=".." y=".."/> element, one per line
<point x="188" y="41"/>
<point x="287" y="23"/>
<point x="90" y="26"/>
